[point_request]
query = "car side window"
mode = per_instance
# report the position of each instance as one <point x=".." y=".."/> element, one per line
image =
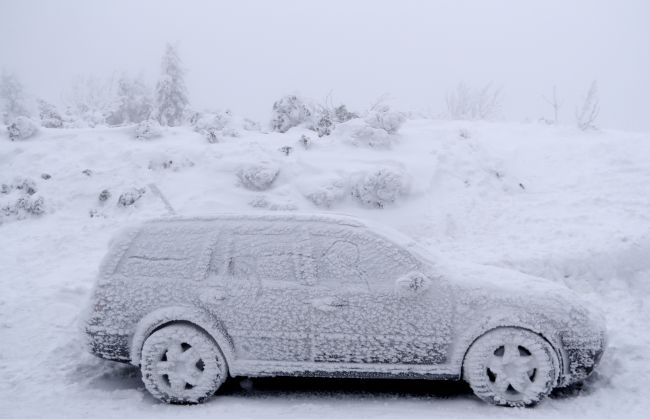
<point x="337" y="262"/>
<point x="258" y="257"/>
<point x="385" y="262"/>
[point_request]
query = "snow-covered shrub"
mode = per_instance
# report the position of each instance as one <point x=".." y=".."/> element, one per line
<point x="104" y="195"/>
<point x="213" y="126"/>
<point x="21" y="128"/>
<point x="258" y="177"/>
<point x="359" y="133"/>
<point x="130" y="197"/>
<point x="288" y="112"/>
<point x="329" y="193"/>
<point x="24" y="207"/>
<point x="381" y="187"/>
<point x="171" y="93"/>
<point x="50" y="117"/>
<point x="386" y="119"/>
<point x="18" y="200"/>
<point x="342" y="114"/>
<point x="286" y="150"/>
<point x="305" y="141"/>
<point x="147" y="130"/>
<point x="250" y="125"/>
<point x="464" y="133"/>
<point x="323" y="122"/>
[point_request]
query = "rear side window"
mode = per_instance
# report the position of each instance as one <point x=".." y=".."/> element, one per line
<point x="169" y="252"/>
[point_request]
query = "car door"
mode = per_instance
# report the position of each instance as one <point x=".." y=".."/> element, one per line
<point x="259" y="292"/>
<point x="360" y="317"/>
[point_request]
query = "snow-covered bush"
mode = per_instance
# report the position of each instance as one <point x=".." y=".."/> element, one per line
<point x="250" y="125"/>
<point x="214" y="126"/>
<point x="323" y="122"/>
<point x="359" y="133"/>
<point x="89" y="101"/>
<point x="18" y="200"/>
<point x="342" y="114"/>
<point x="386" y="119"/>
<point x="305" y="141"/>
<point x="147" y="130"/>
<point x="21" y="128"/>
<point x="258" y="177"/>
<point x="380" y="187"/>
<point x="104" y="195"/>
<point x="328" y="193"/>
<point x="171" y="93"/>
<point x="288" y="112"/>
<point x="130" y="197"/>
<point x="50" y="117"/>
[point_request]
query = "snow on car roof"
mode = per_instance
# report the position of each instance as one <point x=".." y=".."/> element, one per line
<point x="265" y="216"/>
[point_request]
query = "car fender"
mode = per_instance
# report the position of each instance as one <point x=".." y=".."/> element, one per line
<point x="161" y="317"/>
<point x="508" y="317"/>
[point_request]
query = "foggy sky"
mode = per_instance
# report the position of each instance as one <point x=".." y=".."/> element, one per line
<point x="243" y="55"/>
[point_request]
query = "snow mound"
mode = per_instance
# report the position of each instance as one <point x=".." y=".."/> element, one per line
<point x="359" y="133"/>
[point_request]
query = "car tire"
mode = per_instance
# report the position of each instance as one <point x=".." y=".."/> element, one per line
<point x="511" y="367"/>
<point x="181" y="363"/>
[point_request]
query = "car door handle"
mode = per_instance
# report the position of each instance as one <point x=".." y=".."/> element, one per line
<point x="329" y="303"/>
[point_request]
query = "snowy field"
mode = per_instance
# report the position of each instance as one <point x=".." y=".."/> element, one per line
<point x="571" y="206"/>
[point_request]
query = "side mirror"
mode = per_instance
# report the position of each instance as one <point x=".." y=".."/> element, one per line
<point x="413" y="283"/>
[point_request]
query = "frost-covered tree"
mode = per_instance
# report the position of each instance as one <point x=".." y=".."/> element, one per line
<point x="465" y="102"/>
<point x="132" y="103"/>
<point x="586" y="114"/>
<point x="12" y="97"/>
<point x="555" y="103"/>
<point x="171" y="93"/>
<point x="90" y="99"/>
<point x="50" y="117"/>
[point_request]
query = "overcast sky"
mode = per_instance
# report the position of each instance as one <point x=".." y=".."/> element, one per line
<point x="243" y="55"/>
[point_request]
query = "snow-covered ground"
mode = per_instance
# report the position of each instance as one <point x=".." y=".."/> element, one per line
<point x="552" y="201"/>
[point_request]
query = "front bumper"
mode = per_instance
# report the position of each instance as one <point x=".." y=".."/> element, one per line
<point x="582" y="355"/>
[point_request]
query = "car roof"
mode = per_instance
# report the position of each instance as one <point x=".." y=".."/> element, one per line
<point x="335" y="219"/>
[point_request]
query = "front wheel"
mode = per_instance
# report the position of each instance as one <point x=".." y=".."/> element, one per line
<point x="511" y="367"/>
<point x="182" y="364"/>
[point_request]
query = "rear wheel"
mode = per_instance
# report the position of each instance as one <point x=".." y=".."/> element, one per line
<point x="511" y="367"/>
<point x="182" y="364"/>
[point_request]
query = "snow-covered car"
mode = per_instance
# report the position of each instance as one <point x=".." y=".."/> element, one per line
<point x="194" y="301"/>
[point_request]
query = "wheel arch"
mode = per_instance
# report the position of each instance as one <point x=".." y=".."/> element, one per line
<point x="180" y="314"/>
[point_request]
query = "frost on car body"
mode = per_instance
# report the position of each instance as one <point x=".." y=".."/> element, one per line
<point x="316" y="295"/>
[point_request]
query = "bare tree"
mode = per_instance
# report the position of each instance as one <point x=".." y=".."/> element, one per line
<point x="555" y="103"/>
<point x="586" y="114"/>
<point x="465" y="102"/>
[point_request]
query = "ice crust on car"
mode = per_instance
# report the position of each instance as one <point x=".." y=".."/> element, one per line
<point x="304" y="294"/>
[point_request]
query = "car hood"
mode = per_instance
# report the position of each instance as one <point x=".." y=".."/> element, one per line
<point x="484" y="287"/>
